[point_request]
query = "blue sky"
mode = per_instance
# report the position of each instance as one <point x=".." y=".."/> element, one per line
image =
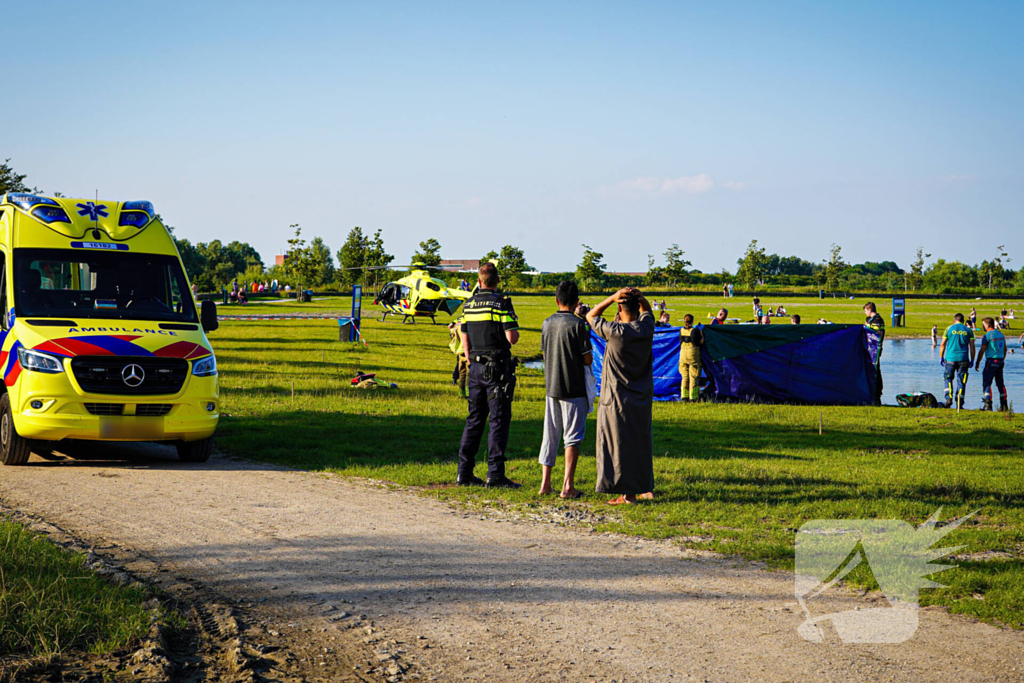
<point x="626" y="126"/>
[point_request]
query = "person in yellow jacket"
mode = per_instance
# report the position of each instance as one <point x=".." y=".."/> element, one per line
<point x="691" y="339"/>
<point x="461" y="373"/>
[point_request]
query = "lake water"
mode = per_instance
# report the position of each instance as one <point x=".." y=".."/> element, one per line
<point x="910" y="365"/>
<point x="913" y="365"/>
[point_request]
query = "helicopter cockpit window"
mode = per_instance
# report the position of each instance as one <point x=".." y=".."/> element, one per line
<point x="433" y="287"/>
<point x="389" y="295"/>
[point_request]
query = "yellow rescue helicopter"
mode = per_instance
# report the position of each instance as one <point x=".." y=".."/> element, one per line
<point x="419" y="295"/>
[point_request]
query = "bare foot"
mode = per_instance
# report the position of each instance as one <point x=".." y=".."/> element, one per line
<point x="570" y="494"/>
<point x="646" y="496"/>
<point x="544" y="491"/>
<point x="625" y="499"/>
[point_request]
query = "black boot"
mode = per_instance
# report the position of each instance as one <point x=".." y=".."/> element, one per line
<point x="1003" y="408"/>
<point x="986" y="405"/>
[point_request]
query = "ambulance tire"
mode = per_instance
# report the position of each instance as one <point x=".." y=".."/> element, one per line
<point x="195" y="451"/>
<point x="14" y="450"/>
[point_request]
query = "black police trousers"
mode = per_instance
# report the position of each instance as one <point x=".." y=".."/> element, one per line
<point x="484" y="401"/>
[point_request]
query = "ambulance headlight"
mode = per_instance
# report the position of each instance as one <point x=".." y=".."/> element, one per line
<point x="38" y="361"/>
<point x="207" y="367"/>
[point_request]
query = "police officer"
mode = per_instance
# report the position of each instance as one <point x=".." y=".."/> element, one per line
<point x="488" y="331"/>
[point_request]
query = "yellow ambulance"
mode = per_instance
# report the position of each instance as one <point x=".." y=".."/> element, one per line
<point x="100" y="336"/>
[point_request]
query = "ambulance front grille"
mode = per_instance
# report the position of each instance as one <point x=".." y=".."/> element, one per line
<point x="114" y="375"/>
<point x="105" y="408"/>
<point x="152" y="409"/>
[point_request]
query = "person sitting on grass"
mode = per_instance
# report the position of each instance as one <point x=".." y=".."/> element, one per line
<point x="565" y="345"/>
<point x="780" y="311"/>
<point x="794" y="319"/>
<point x="625" y="436"/>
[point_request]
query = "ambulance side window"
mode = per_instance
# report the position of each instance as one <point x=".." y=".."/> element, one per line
<point x="176" y="298"/>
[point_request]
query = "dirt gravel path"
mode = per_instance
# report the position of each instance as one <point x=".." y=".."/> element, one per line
<point x="467" y="597"/>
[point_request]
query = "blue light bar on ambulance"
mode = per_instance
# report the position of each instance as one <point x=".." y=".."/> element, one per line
<point x="137" y="214"/>
<point x="139" y="206"/>
<point x="50" y="214"/>
<point x="27" y="201"/>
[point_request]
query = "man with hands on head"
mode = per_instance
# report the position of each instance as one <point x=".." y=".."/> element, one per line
<point x="625" y="436"/>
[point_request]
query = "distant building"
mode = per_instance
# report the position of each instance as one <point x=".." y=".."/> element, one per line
<point x="279" y="259"/>
<point x="468" y="265"/>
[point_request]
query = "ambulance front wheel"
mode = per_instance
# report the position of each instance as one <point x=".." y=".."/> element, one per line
<point x="14" y="450"/>
<point x="195" y="451"/>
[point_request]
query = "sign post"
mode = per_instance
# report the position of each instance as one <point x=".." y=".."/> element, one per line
<point x="357" y="311"/>
<point x="899" y="312"/>
<point x="348" y="328"/>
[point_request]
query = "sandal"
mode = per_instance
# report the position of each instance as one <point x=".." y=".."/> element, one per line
<point x="621" y="500"/>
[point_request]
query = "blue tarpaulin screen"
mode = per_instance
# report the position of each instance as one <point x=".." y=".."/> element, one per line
<point x="824" y="364"/>
<point x="666" y="362"/>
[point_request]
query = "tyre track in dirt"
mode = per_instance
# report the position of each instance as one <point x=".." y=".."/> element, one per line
<point x="435" y="593"/>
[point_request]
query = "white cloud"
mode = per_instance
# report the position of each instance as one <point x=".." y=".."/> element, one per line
<point x="652" y="186"/>
<point x="733" y="185"/>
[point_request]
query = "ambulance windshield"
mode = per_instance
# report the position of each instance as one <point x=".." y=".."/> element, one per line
<point x="87" y="283"/>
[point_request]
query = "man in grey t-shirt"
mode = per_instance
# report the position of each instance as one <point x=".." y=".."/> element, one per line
<point x="565" y="343"/>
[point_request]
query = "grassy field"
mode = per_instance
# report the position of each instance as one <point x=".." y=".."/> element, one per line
<point x="50" y="603"/>
<point x="737" y="479"/>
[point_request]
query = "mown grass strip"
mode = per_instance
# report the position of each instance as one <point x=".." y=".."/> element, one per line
<point x="51" y="604"/>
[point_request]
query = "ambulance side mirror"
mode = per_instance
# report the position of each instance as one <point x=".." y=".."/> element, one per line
<point x="208" y="316"/>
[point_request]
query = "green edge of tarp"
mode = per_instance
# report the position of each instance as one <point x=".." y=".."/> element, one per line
<point x="728" y="341"/>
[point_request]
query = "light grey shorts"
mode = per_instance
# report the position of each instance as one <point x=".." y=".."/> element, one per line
<point x="563" y="419"/>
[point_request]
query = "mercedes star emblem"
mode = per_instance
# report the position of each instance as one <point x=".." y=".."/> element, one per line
<point x="133" y="375"/>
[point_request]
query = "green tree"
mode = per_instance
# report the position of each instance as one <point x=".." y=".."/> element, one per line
<point x="675" y="265"/>
<point x="654" y="273"/>
<point x="996" y="270"/>
<point x="191" y="257"/>
<point x="753" y="266"/>
<point x="590" y="271"/>
<point x="352" y="257"/>
<point x="11" y="180"/>
<point x="512" y="264"/>
<point x="945" y="277"/>
<point x="376" y="261"/>
<point x="299" y="262"/>
<point x="915" y="279"/>
<point x="429" y="253"/>
<point x="833" y="267"/>
<point x="323" y="263"/>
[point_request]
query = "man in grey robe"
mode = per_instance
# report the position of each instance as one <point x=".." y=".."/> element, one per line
<point x="625" y="436"/>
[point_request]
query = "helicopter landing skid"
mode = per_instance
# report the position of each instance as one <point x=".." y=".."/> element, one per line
<point x="406" y="319"/>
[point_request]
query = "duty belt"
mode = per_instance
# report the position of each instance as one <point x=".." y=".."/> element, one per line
<point x="491" y="357"/>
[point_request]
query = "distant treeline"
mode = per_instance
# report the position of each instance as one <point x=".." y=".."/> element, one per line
<point x="363" y="259"/>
